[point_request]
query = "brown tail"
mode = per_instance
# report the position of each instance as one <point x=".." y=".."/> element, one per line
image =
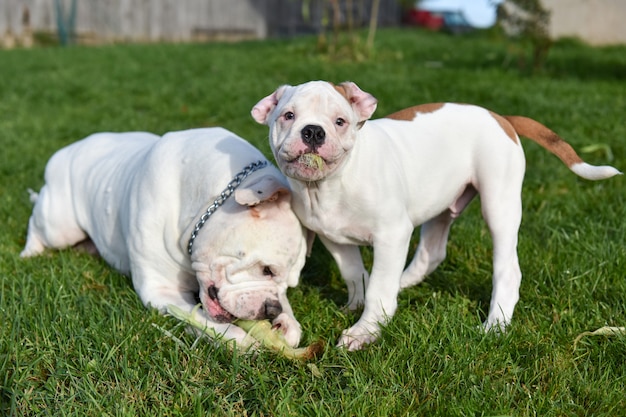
<point x="537" y="132"/>
<point x="545" y="137"/>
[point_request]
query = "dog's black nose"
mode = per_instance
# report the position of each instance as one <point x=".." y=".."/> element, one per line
<point x="212" y="292"/>
<point x="313" y="135"/>
<point x="271" y="309"/>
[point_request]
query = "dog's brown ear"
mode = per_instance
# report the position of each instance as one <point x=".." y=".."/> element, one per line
<point x="264" y="107"/>
<point x="364" y="103"/>
<point x="267" y="188"/>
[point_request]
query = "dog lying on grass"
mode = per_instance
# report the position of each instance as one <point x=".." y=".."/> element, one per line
<point x="158" y="209"/>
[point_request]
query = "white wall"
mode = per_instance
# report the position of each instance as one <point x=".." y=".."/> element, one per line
<point x="597" y="22"/>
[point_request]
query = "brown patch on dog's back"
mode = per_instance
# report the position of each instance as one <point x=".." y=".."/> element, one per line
<point x="505" y="125"/>
<point x="410" y="112"/>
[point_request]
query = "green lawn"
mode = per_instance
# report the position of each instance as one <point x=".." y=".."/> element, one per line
<point x="75" y="339"/>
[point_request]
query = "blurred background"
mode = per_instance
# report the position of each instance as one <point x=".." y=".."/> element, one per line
<point x="26" y="23"/>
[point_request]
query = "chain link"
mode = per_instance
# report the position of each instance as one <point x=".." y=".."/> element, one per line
<point x="230" y="188"/>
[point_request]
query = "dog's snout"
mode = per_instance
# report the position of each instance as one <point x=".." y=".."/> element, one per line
<point x="271" y="309"/>
<point x="212" y="291"/>
<point x="313" y="135"/>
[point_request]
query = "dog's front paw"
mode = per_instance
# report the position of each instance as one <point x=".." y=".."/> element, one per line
<point x="289" y="327"/>
<point x="495" y="327"/>
<point x="358" y="336"/>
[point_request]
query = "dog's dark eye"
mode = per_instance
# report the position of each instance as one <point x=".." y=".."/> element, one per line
<point x="340" y="121"/>
<point x="267" y="271"/>
<point x="289" y="115"/>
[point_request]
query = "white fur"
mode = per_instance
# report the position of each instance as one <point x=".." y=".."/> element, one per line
<point x="137" y="196"/>
<point x="382" y="180"/>
<point x="592" y="172"/>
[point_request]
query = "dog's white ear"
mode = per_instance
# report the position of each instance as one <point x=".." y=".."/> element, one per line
<point x="266" y="188"/>
<point x="264" y="107"/>
<point x="364" y="103"/>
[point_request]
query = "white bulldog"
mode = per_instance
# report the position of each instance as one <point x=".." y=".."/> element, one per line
<point x="140" y="198"/>
<point x="358" y="183"/>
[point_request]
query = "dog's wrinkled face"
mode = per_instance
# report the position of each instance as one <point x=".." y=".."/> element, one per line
<point x="313" y="126"/>
<point x="245" y="265"/>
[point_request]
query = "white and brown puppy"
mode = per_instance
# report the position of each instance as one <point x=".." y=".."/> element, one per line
<point x="358" y="183"/>
<point x="140" y="198"/>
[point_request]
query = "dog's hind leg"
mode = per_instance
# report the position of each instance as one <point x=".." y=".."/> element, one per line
<point x="52" y="224"/>
<point x="502" y="210"/>
<point x="431" y="250"/>
<point x="34" y="244"/>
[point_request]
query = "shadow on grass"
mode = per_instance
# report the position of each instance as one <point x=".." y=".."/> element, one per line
<point x="567" y="58"/>
<point x="321" y="273"/>
<point x="456" y="277"/>
<point x="575" y="60"/>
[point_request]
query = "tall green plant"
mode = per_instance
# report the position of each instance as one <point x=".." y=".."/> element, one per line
<point x="528" y="21"/>
<point x="338" y="37"/>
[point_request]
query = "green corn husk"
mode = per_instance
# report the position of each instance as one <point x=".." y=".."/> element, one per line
<point x="311" y="160"/>
<point x="259" y="330"/>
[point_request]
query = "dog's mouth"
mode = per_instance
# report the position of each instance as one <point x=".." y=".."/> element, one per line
<point x="308" y="166"/>
<point x="214" y="308"/>
<point x="311" y="160"/>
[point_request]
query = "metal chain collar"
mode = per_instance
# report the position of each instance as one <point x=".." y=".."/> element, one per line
<point x="230" y="188"/>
